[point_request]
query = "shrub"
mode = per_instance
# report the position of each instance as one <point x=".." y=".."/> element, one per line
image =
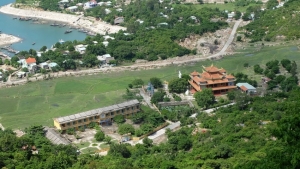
<point x="99" y="136"/>
<point x="71" y="131"/>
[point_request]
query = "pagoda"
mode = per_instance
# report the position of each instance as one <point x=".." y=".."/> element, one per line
<point x="212" y="77"/>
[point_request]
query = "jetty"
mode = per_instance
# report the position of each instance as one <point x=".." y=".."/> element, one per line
<point x="10" y="49"/>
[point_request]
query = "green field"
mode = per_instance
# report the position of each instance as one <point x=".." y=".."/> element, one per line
<point x="39" y="102"/>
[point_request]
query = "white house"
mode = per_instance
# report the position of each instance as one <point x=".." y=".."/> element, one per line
<point x="52" y="64"/>
<point x="72" y="8"/>
<point x="105" y="43"/>
<point x="106" y="37"/>
<point x="246" y="87"/>
<point x="90" y="4"/>
<point x="0" y="75"/>
<point x="80" y="48"/>
<point x="104" y="59"/>
<point x="44" y="65"/>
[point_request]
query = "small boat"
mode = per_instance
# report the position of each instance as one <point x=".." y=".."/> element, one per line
<point x="68" y="31"/>
<point x="33" y="43"/>
<point x="15" y="18"/>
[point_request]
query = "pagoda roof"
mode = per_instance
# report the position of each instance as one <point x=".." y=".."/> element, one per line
<point x="195" y="73"/>
<point x="211" y="69"/>
<point x="230" y="76"/>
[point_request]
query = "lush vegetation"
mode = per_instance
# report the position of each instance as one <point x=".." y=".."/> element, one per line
<point x="270" y="24"/>
<point x="64" y="96"/>
<point x="264" y="134"/>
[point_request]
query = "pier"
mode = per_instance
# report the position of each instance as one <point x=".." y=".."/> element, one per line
<point x="10" y="49"/>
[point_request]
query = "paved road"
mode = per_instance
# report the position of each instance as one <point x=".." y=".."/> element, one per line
<point x="162" y="131"/>
<point x="146" y="98"/>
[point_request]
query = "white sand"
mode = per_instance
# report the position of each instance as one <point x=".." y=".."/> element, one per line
<point x="74" y="20"/>
<point x="8" y="39"/>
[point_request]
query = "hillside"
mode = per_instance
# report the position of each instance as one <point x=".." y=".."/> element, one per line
<point x="274" y="24"/>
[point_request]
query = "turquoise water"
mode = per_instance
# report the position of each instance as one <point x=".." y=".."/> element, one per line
<point x="29" y="32"/>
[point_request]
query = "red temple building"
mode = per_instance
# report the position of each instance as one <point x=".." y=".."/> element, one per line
<point x="212" y="77"/>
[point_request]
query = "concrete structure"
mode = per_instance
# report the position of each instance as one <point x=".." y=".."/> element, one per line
<point x="55" y="137"/>
<point x="72" y="8"/>
<point x="246" y="87"/>
<point x="118" y="20"/>
<point x="90" y="4"/>
<point x="80" y="48"/>
<point x="101" y="116"/>
<point x="214" y="78"/>
<point x="105" y="59"/>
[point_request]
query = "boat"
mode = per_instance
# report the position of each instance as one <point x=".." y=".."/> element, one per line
<point x="61" y="41"/>
<point x="33" y="43"/>
<point x="54" y="24"/>
<point x="68" y="31"/>
<point x="15" y="18"/>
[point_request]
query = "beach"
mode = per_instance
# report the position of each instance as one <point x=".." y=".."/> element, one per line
<point x="8" y="39"/>
<point x="73" y="20"/>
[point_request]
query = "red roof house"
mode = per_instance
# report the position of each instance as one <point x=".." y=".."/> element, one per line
<point x="30" y="60"/>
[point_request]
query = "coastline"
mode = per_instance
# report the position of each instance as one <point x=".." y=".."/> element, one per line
<point x="6" y="39"/>
<point x="73" y="20"/>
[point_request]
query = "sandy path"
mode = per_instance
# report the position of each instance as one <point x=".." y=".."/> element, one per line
<point x="74" y="20"/>
<point x="8" y="39"/>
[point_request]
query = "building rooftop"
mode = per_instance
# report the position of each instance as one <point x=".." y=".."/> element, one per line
<point x="30" y="60"/>
<point x="245" y="85"/>
<point x="55" y="137"/>
<point x="94" y="112"/>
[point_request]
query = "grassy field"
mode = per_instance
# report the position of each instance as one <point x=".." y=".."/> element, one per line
<point x="39" y="102"/>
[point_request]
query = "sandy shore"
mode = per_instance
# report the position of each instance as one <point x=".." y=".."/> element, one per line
<point x="8" y="39"/>
<point x="74" y="20"/>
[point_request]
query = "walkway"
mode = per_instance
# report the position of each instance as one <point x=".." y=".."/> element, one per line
<point x="208" y="111"/>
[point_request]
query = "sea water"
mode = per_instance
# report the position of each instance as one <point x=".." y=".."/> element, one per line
<point x="31" y="32"/>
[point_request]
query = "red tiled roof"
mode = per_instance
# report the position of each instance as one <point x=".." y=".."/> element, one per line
<point x="194" y="73"/>
<point x="222" y="70"/>
<point x="198" y="79"/>
<point x="244" y="88"/>
<point x="30" y="60"/>
<point x="230" y="77"/>
<point x="211" y="69"/>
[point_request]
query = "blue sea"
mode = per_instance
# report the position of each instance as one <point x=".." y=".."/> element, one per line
<point x="30" y="32"/>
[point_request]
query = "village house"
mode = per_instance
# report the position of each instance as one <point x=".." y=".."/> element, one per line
<point x="247" y="88"/>
<point x="63" y="3"/>
<point x="72" y="8"/>
<point x="102" y="116"/>
<point x="80" y="48"/>
<point x="29" y="63"/>
<point x="212" y="77"/>
<point x="1" y="76"/>
<point x="44" y="65"/>
<point x="90" y="4"/>
<point x="105" y="59"/>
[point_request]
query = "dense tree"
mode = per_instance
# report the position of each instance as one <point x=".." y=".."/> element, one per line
<point x="137" y="82"/>
<point x="156" y="82"/>
<point x="157" y="97"/>
<point x="90" y="60"/>
<point x="119" y="150"/>
<point x="205" y="98"/>
<point x="125" y="128"/>
<point x="178" y="85"/>
<point x="99" y="136"/>
<point x="119" y="119"/>
<point x="258" y="69"/>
